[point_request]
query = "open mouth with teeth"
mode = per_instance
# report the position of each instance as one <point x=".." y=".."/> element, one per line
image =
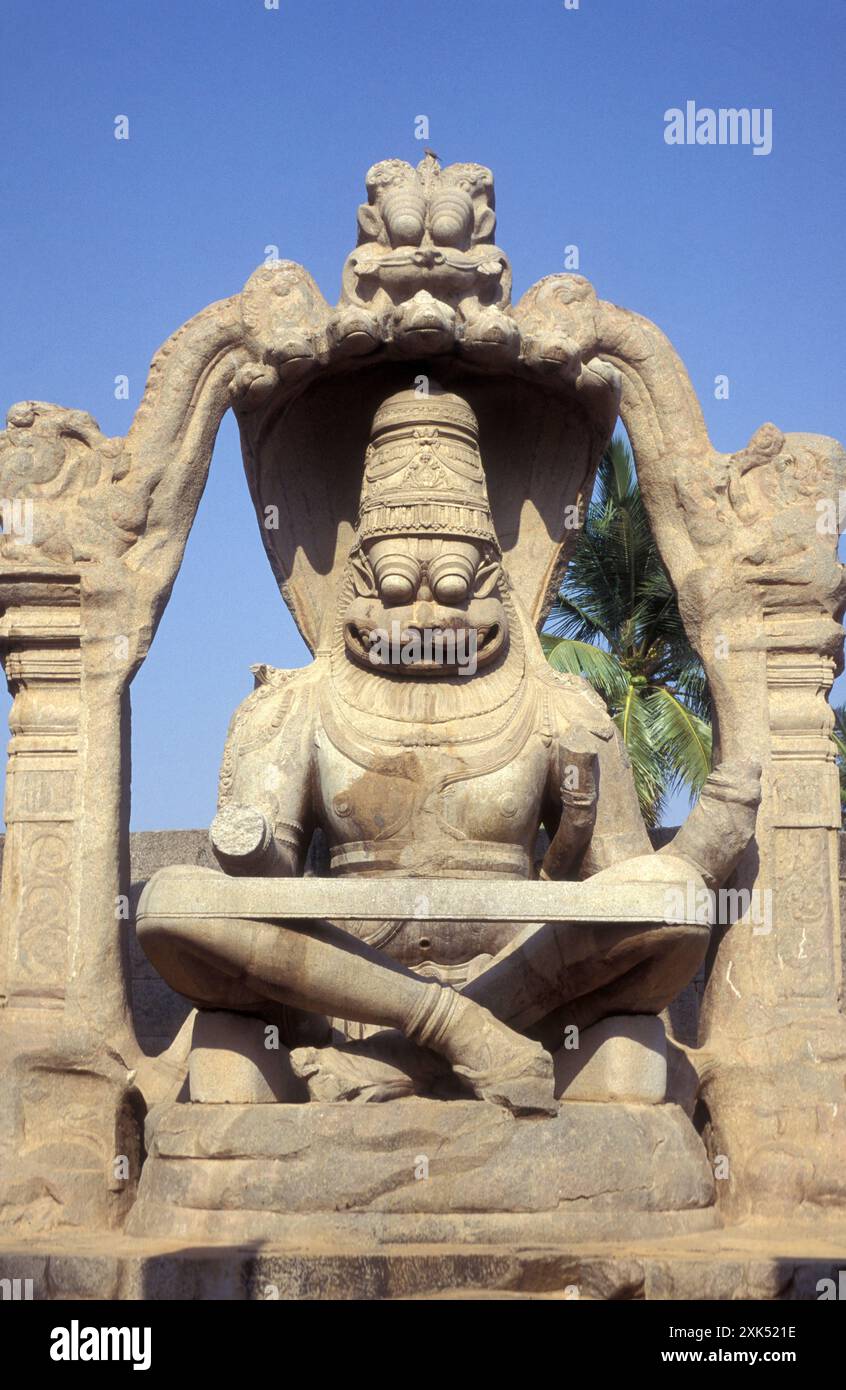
<point x="384" y="640"/>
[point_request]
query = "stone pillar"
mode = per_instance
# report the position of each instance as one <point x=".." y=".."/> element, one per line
<point x="803" y="821"/>
<point x="40" y="644"/>
<point x="93" y="535"/>
<point x="773" y="1038"/>
<point x="745" y="541"/>
<point x="67" y="1093"/>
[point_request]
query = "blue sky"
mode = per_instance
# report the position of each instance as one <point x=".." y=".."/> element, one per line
<point x="252" y="127"/>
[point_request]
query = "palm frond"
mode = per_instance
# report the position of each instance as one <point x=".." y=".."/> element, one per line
<point x="599" y="668"/>
<point x="633" y="721"/>
<point x="616" y="622"/>
<point x="682" y="739"/>
<point x="568" y="619"/>
<point x="690" y="684"/>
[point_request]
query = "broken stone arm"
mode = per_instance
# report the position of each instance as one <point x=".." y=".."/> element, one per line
<point x="599" y="825"/>
<point x="244" y="843"/>
<point x="265" y="818"/>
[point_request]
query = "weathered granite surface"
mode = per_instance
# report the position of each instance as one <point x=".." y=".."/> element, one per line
<point x="621" y="1058"/>
<point x="214" y="1169"/>
<point x="381" y="493"/>
<point x="750" y="1262"/>
<point x="158" y="1011"/>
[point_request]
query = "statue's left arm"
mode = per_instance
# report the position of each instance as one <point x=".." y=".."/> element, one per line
<point x="599" y="824"/>
<point x="592" y="813"/>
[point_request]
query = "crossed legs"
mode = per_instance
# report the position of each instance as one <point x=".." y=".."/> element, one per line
<point x="237" y="963"/>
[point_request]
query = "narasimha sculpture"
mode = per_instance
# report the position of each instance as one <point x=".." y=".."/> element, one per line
<point x="434" y="742"/>
<point x="434" y="888"/>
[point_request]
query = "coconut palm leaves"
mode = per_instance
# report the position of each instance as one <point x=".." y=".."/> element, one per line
<point x="616" y="622"/>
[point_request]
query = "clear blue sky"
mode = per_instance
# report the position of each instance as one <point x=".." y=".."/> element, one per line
<point x="251" y="127"/>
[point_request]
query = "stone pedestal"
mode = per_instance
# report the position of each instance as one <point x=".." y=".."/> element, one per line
<point x="237" y="1060"/>
<point x="621" y="1058"/>
<point x="420" y="1170"/>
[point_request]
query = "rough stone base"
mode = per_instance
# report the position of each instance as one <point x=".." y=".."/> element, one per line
<point x="420" y="1170"/>
<point x="749" y="1262"/>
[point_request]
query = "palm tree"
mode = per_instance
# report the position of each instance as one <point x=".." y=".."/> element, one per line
<point x="616" y="622"/>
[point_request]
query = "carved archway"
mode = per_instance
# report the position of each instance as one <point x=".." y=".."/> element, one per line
<point x="82" y="592"/>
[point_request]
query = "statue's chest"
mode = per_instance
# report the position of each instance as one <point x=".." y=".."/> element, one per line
<point x="430" y="794"/>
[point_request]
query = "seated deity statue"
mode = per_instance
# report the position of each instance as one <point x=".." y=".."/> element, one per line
<point x="431" y="740"/>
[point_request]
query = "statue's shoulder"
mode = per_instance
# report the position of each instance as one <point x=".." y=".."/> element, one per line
<point x="276" y="696"/>
<point x="276" y="678"/>
<point x="576" y="701"/>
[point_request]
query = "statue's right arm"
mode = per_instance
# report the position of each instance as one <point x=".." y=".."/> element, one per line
<point x="264" y="819"/>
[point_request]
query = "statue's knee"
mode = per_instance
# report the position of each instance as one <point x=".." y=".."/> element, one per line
<point x="161" y="937"/>
<point x="173" y="891"/>
<point x="166" y="924"/>
<point x="181" y="950"/>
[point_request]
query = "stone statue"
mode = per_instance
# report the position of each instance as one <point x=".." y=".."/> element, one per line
<point x="434" y="741"/>
<point x="435" y="879"/>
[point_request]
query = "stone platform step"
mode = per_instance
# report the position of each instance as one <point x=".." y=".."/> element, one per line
<point x="757" y="1261"/>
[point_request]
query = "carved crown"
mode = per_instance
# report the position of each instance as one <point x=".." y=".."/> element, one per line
<point x="423" y="470"/>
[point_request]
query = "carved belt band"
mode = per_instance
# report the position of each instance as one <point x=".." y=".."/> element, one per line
<point x="462" y="859"/>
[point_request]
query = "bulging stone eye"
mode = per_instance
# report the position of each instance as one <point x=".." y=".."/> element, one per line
<point x="396" y="588"/>
<point x="398" y="578"/>
<point x="451" y="588"/>
<point x="451" y="577"/>
<point x="404" y="211"/>
<point x="451" y="217"/>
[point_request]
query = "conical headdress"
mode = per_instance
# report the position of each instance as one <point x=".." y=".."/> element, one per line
<point x="423" y="472"/>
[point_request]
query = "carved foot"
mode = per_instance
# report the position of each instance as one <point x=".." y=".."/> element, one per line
<point x="346" y="1074"/>
<point x="498" y="1064"/>
<point x="493" y="1061"/>
<point x="525" y="1089"/>
<point x="383" y="1067"/>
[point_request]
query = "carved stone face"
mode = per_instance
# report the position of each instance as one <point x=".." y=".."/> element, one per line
<point x="425" y="607"/>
